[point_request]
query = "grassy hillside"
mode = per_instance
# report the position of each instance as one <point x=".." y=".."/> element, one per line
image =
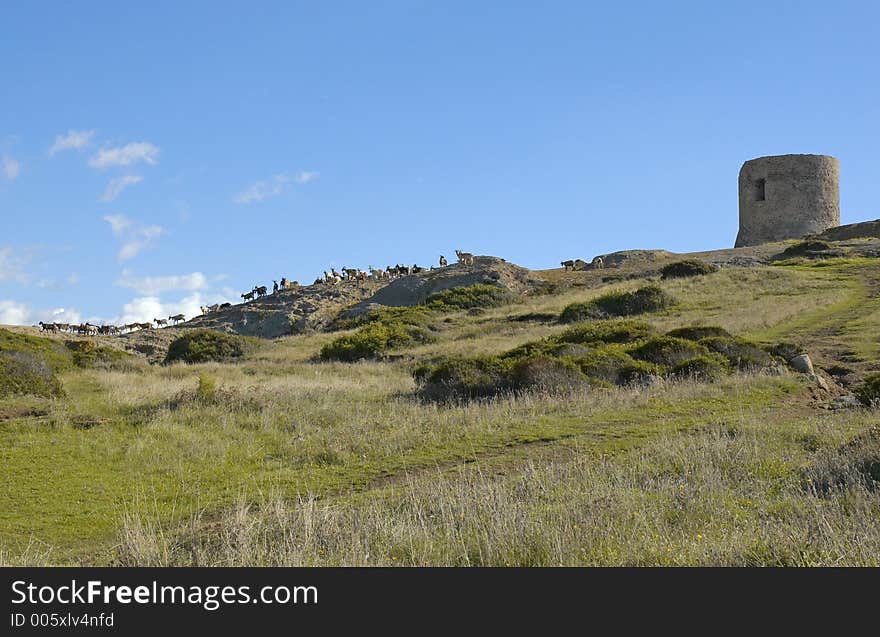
<point x="280" y="457"/>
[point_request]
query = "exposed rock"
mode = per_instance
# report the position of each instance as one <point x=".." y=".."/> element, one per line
<point x="802" y="363"/>
<point x="847" y="401"/>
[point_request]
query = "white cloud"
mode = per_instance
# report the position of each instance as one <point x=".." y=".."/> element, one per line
<point x="60" y="315"/>
<point x="11" y="168"/>
<point x="147" y="308"/>
<point x="153" y="285"/>
<point x="136" y="238"/>
<point x="73" y="140"/>
<point x="266" y="188"/>
<point x="131" y="153"/>
<point x="118" y="184"/>
<point x="12" y="313"/>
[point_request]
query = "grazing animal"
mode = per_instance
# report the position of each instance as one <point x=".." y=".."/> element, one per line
<point x="62" y="327"/>
<point x="203" y="309"/>
<point x="274" y="286"/>
<point x="48" y="327"/>
<point x="160" y="322"/>
<point x="261" y="290"/>
<point x="598" y="263"/>
<point x="249" y="296"/>
<point x="225" y="305"/>
<point x="214" y="308"/>
<point x="148" y="326"/>
<point x="335" y="274"/>
<point x="443" y="262"/>
<point x="349" y="274"/>
<point x="465" y="257"/>
<point x="177" y="318"/>
<point x="568" y="265"/>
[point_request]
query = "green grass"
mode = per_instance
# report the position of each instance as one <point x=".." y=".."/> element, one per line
<point x="133" y="461"/>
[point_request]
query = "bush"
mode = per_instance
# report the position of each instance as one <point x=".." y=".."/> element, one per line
<point x="469" y="297"/>
<point x="806" y="248"/>
<point x="51" y="352"/>
<point x="688" y="267"/>
<point x="641" y="301"/>
<point x="606" y="332"/>
<point x="738" y="352"/>
<point x="206" y="392"/>
<point x="786" y="351"/>
<point x="577" y="312"/>
<point x="868" y="392"/>
<point x="640" y="372"/>
<point x="372" y="340"/>
<point x="88" y="354"/>
<point x="463" y="378"/>
<point x="697" y="332"/>
<point x="605" y="364"/>
<point x="408" y="315"/>
<point x="27" y="373"/>
<point x="708" y="367"/>
<point x="202" y="346"/>
<point x="546" y="373"/>
<point x="668" y="351"/>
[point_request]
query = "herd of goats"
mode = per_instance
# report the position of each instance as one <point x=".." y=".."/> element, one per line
<point x="331" y="277"/>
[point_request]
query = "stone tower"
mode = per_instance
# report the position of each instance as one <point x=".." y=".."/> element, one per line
<point x="787" y="197"/>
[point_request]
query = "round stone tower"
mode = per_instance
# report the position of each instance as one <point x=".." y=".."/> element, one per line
<point x="787" y="197"/>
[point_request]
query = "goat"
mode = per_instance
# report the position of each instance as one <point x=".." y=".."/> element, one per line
<point x="203" y="309"/>
<point x="261" y="290"/>
<point x="568" y="265"/>
<point x="160" y="322"/>
<point x="249" y="296"/>
<point x="223" y="306"/>
<point x="349" y="274"/>
<point x="214" y="308"/>
<point x="48" y="327"/>
<point x="443" y="262"/>
<point x="465" y="257"/>
<point x="598" y="263"/>
<point x="177" y="318"/>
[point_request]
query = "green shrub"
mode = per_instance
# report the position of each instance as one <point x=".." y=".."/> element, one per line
<point x="27" y="373"/>
<point x="738" y="351"/>
<point x="868" y="392"/>
<point x="546" y="373"/>
<point x="408" y="315"/>
<point x="88" y="354"/>
<point x="668" y="351"/>
<point x="640" y="372"/>
<point x="698" y="332"/>
<point x="372" y="340"/>
<point x="605" y="364"/>
<point x="206" y="392"/>
<point x="577" y="312"/>
<point x="609" y="331"/>
<point x="707" y="367"/>
<point x="785" y="351"/>
<point x="51" y="352"/>
<point x="806" y="248"/>
<point x="641" y="301"/>
<point x="464" y="378"/>
<point x="688" y="267"/>
<point x="202" y="346"/>
<point x="469" y="297"/>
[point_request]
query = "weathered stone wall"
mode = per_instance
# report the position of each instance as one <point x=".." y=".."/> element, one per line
<point x="787" y="197"/>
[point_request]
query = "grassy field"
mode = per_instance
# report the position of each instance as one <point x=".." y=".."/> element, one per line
<point x="285" y="460"/>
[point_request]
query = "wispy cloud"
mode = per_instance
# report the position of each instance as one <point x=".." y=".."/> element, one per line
<point x="267" y="188"/>
<point x="153" y="285"/>
<point x="118" y="184"/>
<point x="12" y="265"/>
<point x="11" y="168"/>
<point x="73" y="140"/>
<point x="135" y="237"/>
<point x="131" y="153"/>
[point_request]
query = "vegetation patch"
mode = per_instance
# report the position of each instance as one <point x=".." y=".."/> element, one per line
<point x="686" y="268"/>
<point x="469" y="297"/>
<point x="27" y="373"/>
<point x="668" y="351"/>
<point x="739" y="352"/>
<point x="608" y="331"/>
<point x="408" y="315"/>
<point x="708" y="367"/>
<point x="50" y="351"/>
<point x="88" y="354"/>
<point x="853" y="465"/>
<point x="204" y="346"/>
<point x="373" y="340"/>
<point x="464" y="378"/>
<point x="647" y="299"/>
<point x="606" y="363"/>
<point x="810" y="247"/>
<point x="868" y="392"/>
<point x="698" y="332"/>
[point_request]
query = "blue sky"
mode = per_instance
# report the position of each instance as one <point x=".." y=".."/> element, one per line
<point x="158" y="156"/>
